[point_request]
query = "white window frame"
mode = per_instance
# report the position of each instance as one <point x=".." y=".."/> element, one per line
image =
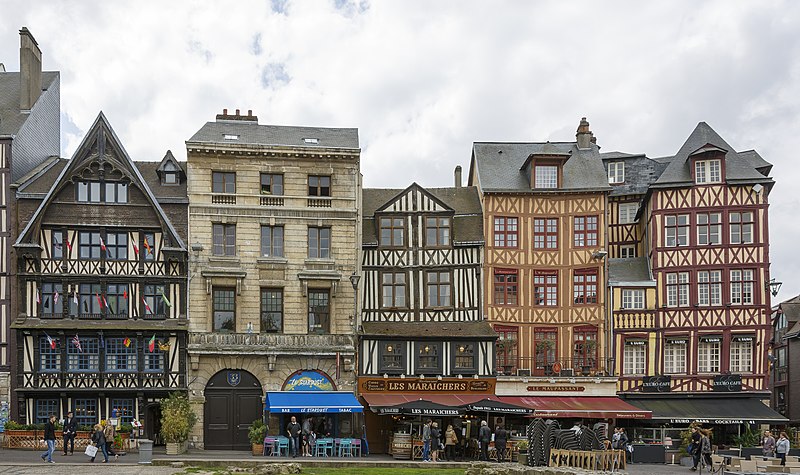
<point x="634" y="360"/>
<point x="633" y="299"/>
<point x="741" y="354"/>
<point x="708" y="355"/>
<point x="675" y="356"/>
<point x="709" y="288"/>
<point x="616" y="173"/>
<point x="546" y="176"/>
<point x="742" y="286"/>
<point x="677" y="289"/>
<point x="627" y="251"/>
<point x="709" y="229"/>
<point x="707" y="171"/>
<point x="676" y="228"/>
<point x="627" y="212"/>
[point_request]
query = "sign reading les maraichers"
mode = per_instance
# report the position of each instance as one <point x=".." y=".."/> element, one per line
<point x="728" y="383"/>
<point x="408" y="385"/>
<point x="657" y="384"/>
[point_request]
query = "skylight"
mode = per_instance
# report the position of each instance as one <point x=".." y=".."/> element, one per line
<point x="231" y="137"/>
<point x="314" y="141"/>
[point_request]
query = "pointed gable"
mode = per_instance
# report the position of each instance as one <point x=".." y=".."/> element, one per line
<point x="169" y="170"/>
<point x="414" y="199"/>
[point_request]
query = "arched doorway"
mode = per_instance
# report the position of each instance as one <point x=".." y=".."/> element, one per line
<point x="233" y="401"/>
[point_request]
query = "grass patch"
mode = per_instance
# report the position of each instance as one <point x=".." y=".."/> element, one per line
<point x="380" y="471"/>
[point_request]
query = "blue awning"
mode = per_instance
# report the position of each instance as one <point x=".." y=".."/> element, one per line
<point x="312" y="402"/>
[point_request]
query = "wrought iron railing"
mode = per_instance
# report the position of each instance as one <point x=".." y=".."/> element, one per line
<point x="551" y="367"/>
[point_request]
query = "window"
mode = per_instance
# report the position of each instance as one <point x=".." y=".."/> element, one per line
<point x="89" y="191"/>
<point x="318" y="311"/>
<point x="741" y="287"/>
<point x="709" y="288"/>
<point x="707" y="171"/>
<point x="89" y="300"/>
<point x="545" y="348"/>
<point x="634" y="357"/>
<point x="223" y="182"/>
<point x="86" y="412"/>
<point x="89" y="245"/>
<point x="584" y="286"/>
<point x="154" y="297"/>
<point x="438" y="285"/>
<point x="271" y="184"/>
<point x="506" y="347"/>
<point x="44" y="408"/>
<point x="85" y="359"/>
<point x="741" y="354"/>
<point x="124" y="409"/>
<point x="545" y="288"/>
<point x="741" y="226"/>
<point x="709" y="228"/>
<point x="585" y="347"/>
<point x="271" y="310"/>
<point x="677" y="230"/>
<point x="464" y="357"/>
<point x="57" y="249"/>
<point x="392" y="358"/>
<point x="148" y="250"/>
<point x="633" y="299"/>
<point x="170" y="175"/>
<point x="49" y="357"/>
<point x="271" y="241"/>
<point x="616" y="172"/>
<point x="319" y="185"/>
<point x="120" y="355"/>
<point x="224" y="301"/>
<point x="437" y="232"/>
<point x="117" y="246"/>
<point x="505" y="232"/>
<point x="677" y="289"/>
<point x="224" y="239"/>
<point x="116" y="193"/>
<point x="675" y="355"/>
<point x="708" y="350"/>
<point x="428" y="358"/>
<point x="585" y="231"/>
<point x="117" y="297"/>
<point x="319" y="243"/>
<point x="393" y="289"/>
<point x="153" y="360"/>
<point x="392" y="231"/>
<point x="627" y="212"/>
<point x="52" y="298"/>
<point x="627" y="251"/>
<point x="545" y="233"/>
<point x="546" y="176"/>
<point x="505" y="287"/>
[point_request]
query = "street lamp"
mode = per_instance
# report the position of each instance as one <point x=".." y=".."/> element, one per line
<point x="773" y="286"/>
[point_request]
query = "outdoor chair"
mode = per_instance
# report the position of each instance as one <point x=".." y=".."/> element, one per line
<point x="324" y="447"/>
<point x="748" y="466"/>
<point x="356" y="447"/>
<point x="345" y="448"/>
<point x="775" y="469"/>
<point x="283" y="447"/>
<point x="269" y="445"/>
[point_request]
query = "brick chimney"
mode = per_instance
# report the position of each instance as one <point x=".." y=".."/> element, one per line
<point x="585" y="137"/>
<point x="30" y="70"/>
<point x="238" y="116"/>
<point x="458" y="176"/>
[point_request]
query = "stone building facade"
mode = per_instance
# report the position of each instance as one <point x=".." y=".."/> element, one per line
<point x="275" y="225"/>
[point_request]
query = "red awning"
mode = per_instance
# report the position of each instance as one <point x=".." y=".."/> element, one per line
<point x="453" y="400"/>
<point x="589" y="407"/>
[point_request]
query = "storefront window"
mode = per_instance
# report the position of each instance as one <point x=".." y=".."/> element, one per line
<point x="464" y="357"/>
<point x="428" y="358"/>
<point x="392" y="359"/>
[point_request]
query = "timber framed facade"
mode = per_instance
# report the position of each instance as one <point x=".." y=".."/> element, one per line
<point x="101" y="274"/>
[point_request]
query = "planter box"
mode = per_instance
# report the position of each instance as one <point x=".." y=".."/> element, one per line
<point x="258" y="449"/>
<point x="177" y="448"/>
<point x="32" y="440"/>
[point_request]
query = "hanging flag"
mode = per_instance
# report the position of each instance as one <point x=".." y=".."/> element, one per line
<point x="86" y="306"/>
<point x="102" y="341"/>
<point x="102" y="244"/>
<point x="151" y="345"/>
<point x="69" y="246"/>
<point x="55" y="298"/>
<point x="38" y="298"/>
<point x="126" y="342"/>
<point x="50" y="342"/>
<point x="99" y="302"/>
<point x="125" y="294"/>
<point x="146" y="306"/>
<point x="147" y="246"/>
<point x="105" y="302"/>
<point x="135" y="248"/>
<point x="165" y="299"/>
<point x="77" y="342"/>
<point x="75" y="295"/>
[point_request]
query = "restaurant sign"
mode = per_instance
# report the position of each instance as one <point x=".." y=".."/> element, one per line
<point x="728" y="383"/>
<point x="657" y="384"/>
<point x="712" y="421"/>
<point x="308" y="381"/>
<point x="409" y="385"/>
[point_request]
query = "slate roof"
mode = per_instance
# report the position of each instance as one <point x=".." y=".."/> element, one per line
<point x="464" y="201"/>
<point x="250" y="133"/>
<point x="11" y="119"/>
<point x="436" y="330"/>
<point x="640" y="172"/>
<point x="498" y="166"/>
<point x="739" y="167"/>
<point x="629" y="270"/>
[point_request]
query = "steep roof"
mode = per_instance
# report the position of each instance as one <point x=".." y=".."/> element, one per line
<point x="629" y="271"/>
<point x="251" y="133"/>
<point x="640" y="172"/>
<point x="739" y="167"/>
<point x="11" y="117"/>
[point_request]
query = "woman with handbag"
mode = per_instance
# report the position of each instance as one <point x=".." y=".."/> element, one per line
<point x="99" y="443"/>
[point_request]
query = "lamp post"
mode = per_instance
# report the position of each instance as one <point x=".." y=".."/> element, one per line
<point x="773" y="286"/>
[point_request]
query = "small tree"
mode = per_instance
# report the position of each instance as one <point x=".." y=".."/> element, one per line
<point x="257" y="432"/>
<point x="177" y="418"/>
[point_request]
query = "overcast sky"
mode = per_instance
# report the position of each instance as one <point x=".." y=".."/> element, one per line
<point x="423" y="80"/>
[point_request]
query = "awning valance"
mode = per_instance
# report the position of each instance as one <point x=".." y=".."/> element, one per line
<point x="578" y="407"/>
<point x="421" y="404"/>
<point x="709" y="410"/>
<point x="312" y="402"/>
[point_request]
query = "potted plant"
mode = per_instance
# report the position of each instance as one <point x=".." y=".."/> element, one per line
<point x="522" y="452"/>
<point x="256" y="434"/>
<point x="177" y="420"/>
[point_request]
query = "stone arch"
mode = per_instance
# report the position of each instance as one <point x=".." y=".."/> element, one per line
<point x="234" y="398"/>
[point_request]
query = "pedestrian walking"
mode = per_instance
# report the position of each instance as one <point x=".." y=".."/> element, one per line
<point x="768" y="444"/>
<point x="450" y="441"/>
<point x="435" y="441"/>
<point x="484" y="437"/>
<point x="306" y="432"/>
<point x="782" y="447"/>
<point x="500" y="438"/>
<point x="50" y="439"/>
<point x="426" y="441"/>
<point x="99" y="441"/>
<point x="109" y="433"/>
<point x="294" y="429"/>
<point x="70" y="429"/>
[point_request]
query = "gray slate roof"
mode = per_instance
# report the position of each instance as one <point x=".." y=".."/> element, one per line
<point x="629" y="270"/>
<point x="437" y="330"/>
<point x="250" y="133"/>
<point x="11" y="119"/>
<point x="498" y="166"/>
<point x="739" y="167"/>
<point x="464" y="201"/>
<point x="640" y="172"/>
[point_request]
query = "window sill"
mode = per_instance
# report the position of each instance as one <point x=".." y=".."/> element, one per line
<point x="273" y="260"/>
<point x="226" y="259"/>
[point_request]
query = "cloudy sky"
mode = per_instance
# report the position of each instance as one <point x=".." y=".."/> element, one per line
<point x="422" y="80"/>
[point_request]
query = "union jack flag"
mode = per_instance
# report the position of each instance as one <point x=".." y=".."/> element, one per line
<point x="77" y="342"/>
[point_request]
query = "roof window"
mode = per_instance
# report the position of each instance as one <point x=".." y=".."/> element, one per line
<point x="231" y="137"/>
<point x="314" y="141"/>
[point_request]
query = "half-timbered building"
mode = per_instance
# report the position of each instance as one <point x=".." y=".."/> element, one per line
<point x="101" y="284"/>
<point x="785" y="359"/>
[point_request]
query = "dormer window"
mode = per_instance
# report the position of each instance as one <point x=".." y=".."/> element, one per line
<point x="170" y="176"/>
<point x="546" y="176"/>
<point x="707" y="171"/>
<point x="616" y="173"/>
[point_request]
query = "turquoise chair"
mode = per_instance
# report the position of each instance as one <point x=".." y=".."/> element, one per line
<point x="345" y="448"/>
<point x="283" y="446"/>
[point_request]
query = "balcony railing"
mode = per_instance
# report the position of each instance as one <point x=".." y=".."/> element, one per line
<point x="558" y="367"/>
<point x="319" y="202"/>
<point x="101" y="316"/>
<point x="271" y="201"/>
<point x="99" y="380"/>
<point x="270" y="343"/>
<point x="223" y="199"/>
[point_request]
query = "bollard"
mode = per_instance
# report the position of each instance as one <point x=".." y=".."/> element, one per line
<point x="145" y="451"/>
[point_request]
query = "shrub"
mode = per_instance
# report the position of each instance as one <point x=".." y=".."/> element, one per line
<point x="257" y="432"/>
<point x="177" y="418"/>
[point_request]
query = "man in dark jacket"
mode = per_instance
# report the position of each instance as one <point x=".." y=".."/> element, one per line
<point x="500" y="438"/>
<point x="50" y="438"/>
<point x="484" y="436"/>
<point x="294" y="429"/>
<point x="70" y="428"/>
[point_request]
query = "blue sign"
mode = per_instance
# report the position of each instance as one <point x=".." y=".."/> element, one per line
<point x="3" y="416"/>
<point x="308" y="381"/>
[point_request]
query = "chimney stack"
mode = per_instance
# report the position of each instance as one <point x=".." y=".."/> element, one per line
<point x="238" y="116"/>
<point x="458" y="176"/>
<point x="585" y="137"/>
<point x="30" y="70"/>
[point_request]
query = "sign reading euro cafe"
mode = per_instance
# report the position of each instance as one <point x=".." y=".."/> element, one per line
<point x="657" y="384"/>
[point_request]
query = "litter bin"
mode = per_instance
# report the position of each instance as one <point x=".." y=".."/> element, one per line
<point x="145" y="451"/>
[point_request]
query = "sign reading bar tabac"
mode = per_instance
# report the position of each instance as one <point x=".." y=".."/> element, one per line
<point x="414" y="385"/>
